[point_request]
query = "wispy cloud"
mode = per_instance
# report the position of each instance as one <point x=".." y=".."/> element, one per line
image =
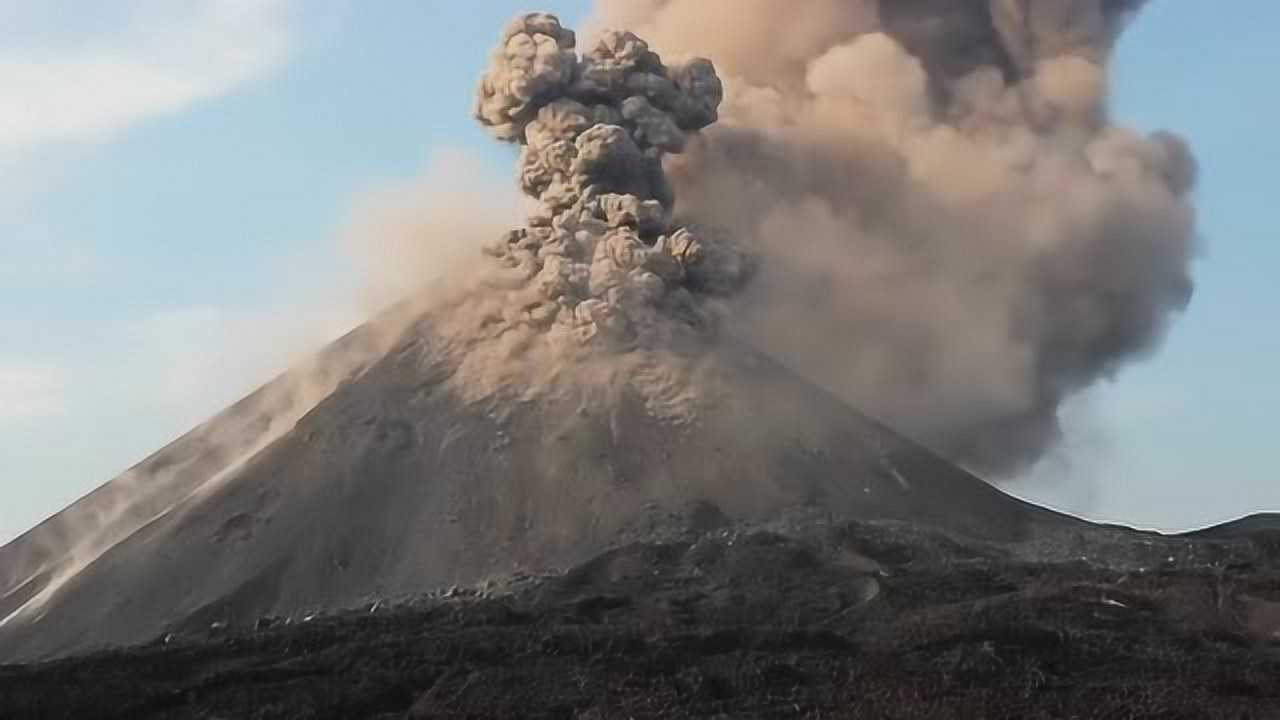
<point x="28" y="391"/>
<point x="146" y="59"/>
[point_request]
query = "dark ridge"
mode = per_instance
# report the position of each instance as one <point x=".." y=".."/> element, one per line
<point x="1244" y="527"/>
<point x="797" y="617"/>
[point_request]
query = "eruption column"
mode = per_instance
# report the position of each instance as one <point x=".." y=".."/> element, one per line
<point x="601" y="257"/>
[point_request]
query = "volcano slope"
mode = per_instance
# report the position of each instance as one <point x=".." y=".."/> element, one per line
<point x="393" y="486"/>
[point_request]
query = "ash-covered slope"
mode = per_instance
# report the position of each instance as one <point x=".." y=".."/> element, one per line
<point x="393" y="485"/>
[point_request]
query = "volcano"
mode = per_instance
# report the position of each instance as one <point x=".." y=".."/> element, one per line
<point x="392" y="485"/>
<point x="577" y="394"/>
<point x="574" y="484"/>
<point x="580" y="394"/>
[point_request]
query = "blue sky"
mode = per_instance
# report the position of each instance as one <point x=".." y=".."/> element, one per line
<point x="175" y="177"/>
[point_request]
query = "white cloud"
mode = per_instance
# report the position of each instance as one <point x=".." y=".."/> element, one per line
<point x="157" y="59"/>
<point x="28" y="391"/>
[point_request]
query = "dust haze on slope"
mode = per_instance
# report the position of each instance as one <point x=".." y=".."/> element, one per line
<point x="953" y="235"/>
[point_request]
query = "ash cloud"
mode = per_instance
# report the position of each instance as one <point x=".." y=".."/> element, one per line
<point x="600" y="255"/>
<point x="952" y="233"/>
<point x="601" y="284"/>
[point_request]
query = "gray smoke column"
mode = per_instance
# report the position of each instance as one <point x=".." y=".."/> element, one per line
<point x="600" y="259"/>
<point x="952" y="233"/>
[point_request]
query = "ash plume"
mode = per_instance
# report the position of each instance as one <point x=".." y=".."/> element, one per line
<point x="952" y="233"/>
<point x="601" y="249"/>
<point x="601" y="263"/>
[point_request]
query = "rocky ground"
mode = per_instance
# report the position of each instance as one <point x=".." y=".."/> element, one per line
<point x="804" y="617"/>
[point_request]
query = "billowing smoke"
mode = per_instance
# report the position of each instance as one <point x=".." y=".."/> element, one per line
<point x="600" y="286"/>
<point x="951" y="232"/>
<point x="600" y="256"/>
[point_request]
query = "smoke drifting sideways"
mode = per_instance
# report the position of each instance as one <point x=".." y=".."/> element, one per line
<point x="952" y="233"/>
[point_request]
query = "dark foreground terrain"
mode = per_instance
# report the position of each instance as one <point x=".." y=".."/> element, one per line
<point x="798" y="618"/>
